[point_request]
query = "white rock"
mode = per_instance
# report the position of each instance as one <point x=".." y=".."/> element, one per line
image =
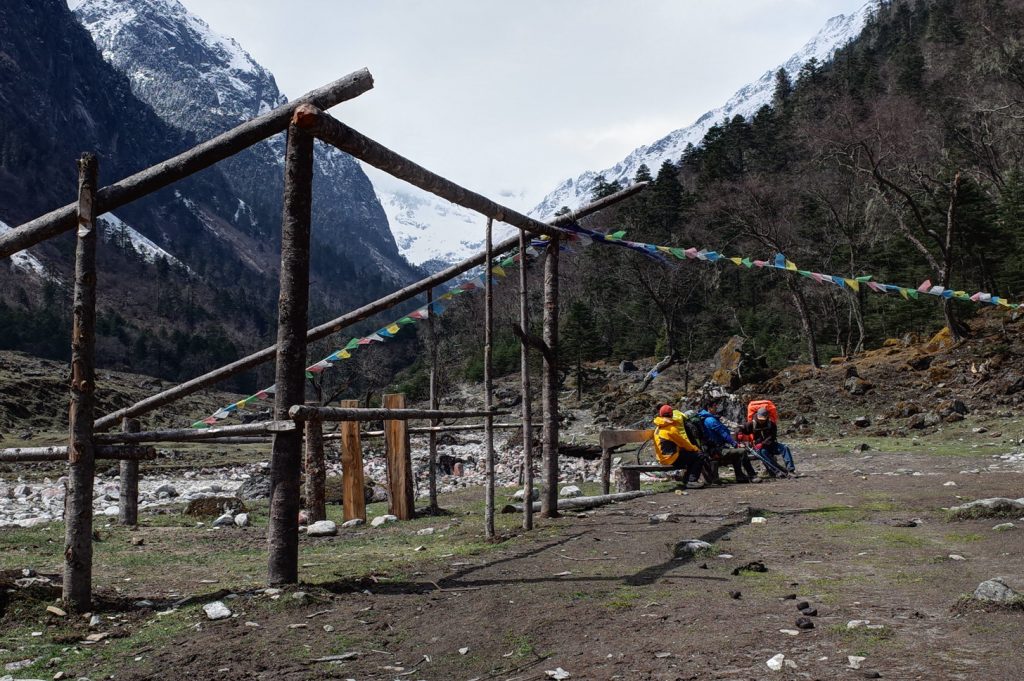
<point x="322" y="528"/>
<point x="570" y="491"/>
<point x="425" y="531"/>
<point x="660" y="518"/>
<point x="242" y="520"/>
<point x="956" y="556"/>
<point x="776" y="662"/>
<point x="688" y="546"/>
<point x="758" y="520"/>
<point x="789" y="632"/>
<point x="224" y="521"/>
<point x="855" y="661"/>
<point x="110" y="511"/>
<point x="856" y="624"/>
<point x="383" y="519"/>
<point x="1003" y="527"/>
<point x="949" y="484"/>
<point x="995" y="590"/>
<point x="355" y="522"/>
<point x="216" y="610"/>
<point x="463" y="651"/>
<point x="557" y="673"/>
<point x="521" y="494"/>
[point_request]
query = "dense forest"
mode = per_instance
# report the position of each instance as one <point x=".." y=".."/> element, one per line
<point x="901" y="159"/>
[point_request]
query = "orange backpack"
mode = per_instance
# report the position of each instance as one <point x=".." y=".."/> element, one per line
<point x="752" y="408"/>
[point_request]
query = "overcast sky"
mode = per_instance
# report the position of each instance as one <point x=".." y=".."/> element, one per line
<point x="509" y="98"/>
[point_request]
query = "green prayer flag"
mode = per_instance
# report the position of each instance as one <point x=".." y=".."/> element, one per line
<point x="679" y="253"/>
<point x="747" y="262"/>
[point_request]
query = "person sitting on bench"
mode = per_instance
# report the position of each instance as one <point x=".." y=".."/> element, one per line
<point x="673" y="448"/>
<point x="765" y="433"/>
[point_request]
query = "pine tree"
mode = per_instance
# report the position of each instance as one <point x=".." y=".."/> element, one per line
<point x="643" y="174"/>
<point x="783" y="89"/>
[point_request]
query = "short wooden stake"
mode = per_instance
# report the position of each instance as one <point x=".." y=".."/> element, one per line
<point x="128" y="497"/>
<point x="316" y="472"/>
<point x="352" y="482"/>
<point x="399" y="459"/>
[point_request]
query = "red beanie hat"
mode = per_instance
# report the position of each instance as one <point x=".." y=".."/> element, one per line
<point x="666" y="410"/>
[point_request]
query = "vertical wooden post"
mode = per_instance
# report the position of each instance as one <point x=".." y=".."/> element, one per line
<point x="549" y="387"/>
<point x="316" y="471"/>
<point x="488" y="381"/>
<point x="606" y="470"/>
<point x="293" y="306"/>
<point x="128" y="497"/>
<point x="352" y="483"/>
<point x="77" y="591"/>
<point x="524" y="321"/>
<point x="396" y="441"/>
<point x="432" y="464"/>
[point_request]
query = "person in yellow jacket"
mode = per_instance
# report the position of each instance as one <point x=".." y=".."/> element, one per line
<point x="672" y="447"/>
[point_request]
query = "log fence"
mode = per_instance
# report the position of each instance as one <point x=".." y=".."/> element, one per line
<point x="305" y="120"/>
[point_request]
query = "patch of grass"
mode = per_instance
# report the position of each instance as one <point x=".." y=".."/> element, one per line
<point x="861" y="641"/>
<point x="624" y="597"/>
<point x="902" y="538"/>
<point x="963" y="537"/>
<point x="520" y="644"/>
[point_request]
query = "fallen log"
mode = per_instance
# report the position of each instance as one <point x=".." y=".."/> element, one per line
<point x="580" y="503"/>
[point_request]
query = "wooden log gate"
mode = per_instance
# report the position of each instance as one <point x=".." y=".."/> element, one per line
<point x="304" y="119"/>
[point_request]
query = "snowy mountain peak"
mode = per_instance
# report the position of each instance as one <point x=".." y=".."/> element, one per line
<point x="837" y="32"/>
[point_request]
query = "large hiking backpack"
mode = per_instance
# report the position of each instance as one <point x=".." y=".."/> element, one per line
<point x="754" y="405"/>
<point x="694" y="428"/>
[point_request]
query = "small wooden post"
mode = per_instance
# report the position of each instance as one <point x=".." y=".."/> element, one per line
<point x="316" y="471"/>
<point x="77" y="588"/>
<point x="293" y="307"/>
<point x="352" y="482"/>
<point x="432" y="463"/>
<point x="488" y="381"/>
<point x="128" y="497"/>
<point x="606" y="470"/>
<point x="549" y="499"/>
<point x="524" y="322"/>
<point x="396" y="440"/>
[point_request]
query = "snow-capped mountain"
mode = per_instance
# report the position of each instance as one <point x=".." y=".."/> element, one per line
<point x="432" y="232"/>
<point x="23" y="260"/>
<point x="206" y="83"/>
<point x="837" y="32"/>
<point x="124" y="236"/>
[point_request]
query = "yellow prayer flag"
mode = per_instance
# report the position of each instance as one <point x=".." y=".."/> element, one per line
<point x="240" y="404"/>
<point x="737" y="261"/>
<point x="791" y="266"/>
<point x="903" y="292"/>
<point x="393" y="328"/>
<point x="344" y="354"/>
<point x="853" y="283"/>
<point x="498" y="270"/>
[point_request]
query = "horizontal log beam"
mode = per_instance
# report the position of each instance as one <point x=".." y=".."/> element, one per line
<point x="425" y="430"/>
<point x="349" y="318"/>
<point x="301" y="412"/>
<point x="60" y="453"/>
<point x="580" y="503"/>
<point x="197" y="434"/>
<point x="186" y="163"/>
<point x="332" y="131"/>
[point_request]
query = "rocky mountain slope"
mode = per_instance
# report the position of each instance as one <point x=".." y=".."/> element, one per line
<point x="837" y="32"/>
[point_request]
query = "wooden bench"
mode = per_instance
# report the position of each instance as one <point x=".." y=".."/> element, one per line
<point x="612" y="439"/>
<point x="631" y="475"/>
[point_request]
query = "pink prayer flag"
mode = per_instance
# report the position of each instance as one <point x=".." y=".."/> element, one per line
<point x="923" y="288"/>
<point x="760" y="263"/>
<point x="976" y="297"/>
<point x="691" y="253"/>
<point x="816" y="276"/>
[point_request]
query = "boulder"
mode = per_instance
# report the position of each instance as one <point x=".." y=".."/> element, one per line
<point x="212" y="506"/>
<point x="226" y="520"/>
<point x="520" y="494"/>
<point x="995" y="590"/>
<point x="355" y="522"/>
<point x="857" y="386"/>
<point x="728" y="361"/>
<point x="626" y="367"/>
<point x="242" y="520"/>
<point x="165" y="491"/>
<point x="570" y="492"/>
<point x="862" y="422"/>
<point x="383" y="519"/>
<point x="256" y="487"/>
<point x="216" y="610"/>
<point x="322" y="528"/>
<point x="688" y="547"/>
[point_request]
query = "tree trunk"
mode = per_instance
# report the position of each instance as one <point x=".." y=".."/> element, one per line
<point x="524" y="371"/>
<point x="805" y="321"/>
<point x="128" y="508"/>
<point x="293" y="307"/>
<point x="316" y="472"/>
<point x="549" y="499"/>
<point x="77" y="591"/>
<point x="488" y="384"/>
<point x="957" y="329"/>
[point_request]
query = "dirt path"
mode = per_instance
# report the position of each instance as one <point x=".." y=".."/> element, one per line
<point x="606" y="596"/>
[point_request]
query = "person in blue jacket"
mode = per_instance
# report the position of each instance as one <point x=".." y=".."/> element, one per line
<point x="716" y="437"/>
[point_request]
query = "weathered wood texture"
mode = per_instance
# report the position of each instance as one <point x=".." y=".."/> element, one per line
<point x="196" y="434"/>
<point x="128" y="483"/>
<point x="60" y="453"/>
<point x="316" y="472"/>
<point x="195" y="159"/>
<point x="301" y="413"/>
<point x="399" y="460"/>
<point x="432" y="444"/>
<point x="293" y="306"/>
<point x="524" y="371"/>
<point x="549" y="386"/>
<point x="348" y="319"/>
<point x="77" y="587"/>
<point x="610" y="439"/>
<point x="352" y="481"/>
<point x="580" y="503"/>
<point x="488" y="382"/>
